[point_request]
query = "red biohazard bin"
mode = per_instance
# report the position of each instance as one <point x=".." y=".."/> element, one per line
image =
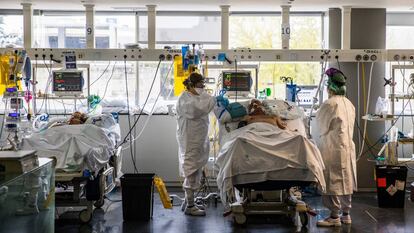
<point x="391" y="183"/>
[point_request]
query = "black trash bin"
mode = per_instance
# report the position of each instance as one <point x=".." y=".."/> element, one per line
<point x="137" y="196"/>
<point x="391" y="183"/>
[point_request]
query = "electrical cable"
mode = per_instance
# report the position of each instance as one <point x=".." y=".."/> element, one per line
<point x="358" y="105"/>
<point x="235" y="66"/>
<point x="403" y="101"/>
<point x="4" y="119"/>
<point x="142" y="109"/>
<point x="153" y="107"/>
<point x="386" y="132"/>
<point x="337" y="62"/>
<point x="364" y="101"/>
<point x="44" y="101"/>
<point x="100" y="76"/>
<point x="107" y="82"/>
<point x="323" y="67"/>
<point x="409" y="101"/>
<point x="366" y="110"/>
<point x="112" y="200"/>
<point x="50" y="81"/>
<point x="129" y="116"/>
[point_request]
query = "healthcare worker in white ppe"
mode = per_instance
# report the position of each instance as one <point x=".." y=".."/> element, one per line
<point x="193" y="108"/>
<point x="335" y="120"/>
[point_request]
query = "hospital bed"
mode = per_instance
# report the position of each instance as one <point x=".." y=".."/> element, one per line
<point x="262" y="167"/>
<point x="87" y="163"/>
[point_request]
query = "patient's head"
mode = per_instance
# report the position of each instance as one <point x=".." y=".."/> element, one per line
<point x="77" y="118"/>
<point x="256" y="108"/>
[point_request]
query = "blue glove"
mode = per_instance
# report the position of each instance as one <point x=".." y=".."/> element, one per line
<point x="222" y="101"/>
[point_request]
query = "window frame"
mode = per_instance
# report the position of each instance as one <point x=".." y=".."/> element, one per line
<point x="140" y="13"/>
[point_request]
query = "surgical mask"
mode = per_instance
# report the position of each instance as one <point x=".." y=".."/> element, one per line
<point x="199" y="90"/>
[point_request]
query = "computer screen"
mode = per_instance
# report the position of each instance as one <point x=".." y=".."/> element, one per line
<point x="237" y="81"/>
<point x="70" y="60"/>
<point x="67" y="81"/>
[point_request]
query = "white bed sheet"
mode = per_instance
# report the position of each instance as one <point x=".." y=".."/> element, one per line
<point x="76" y="147"/>
<point x="261" y="151"/>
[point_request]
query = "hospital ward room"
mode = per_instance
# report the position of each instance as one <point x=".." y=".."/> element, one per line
<point x="138" y="116"/>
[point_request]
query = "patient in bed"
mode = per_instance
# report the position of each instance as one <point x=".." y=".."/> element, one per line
<point x="257" y="113"/>
<point x="78" y="118"/>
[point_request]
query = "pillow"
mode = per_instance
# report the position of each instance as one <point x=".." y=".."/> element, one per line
<point x="223" y="116"/>
<point x="284" y="109"/>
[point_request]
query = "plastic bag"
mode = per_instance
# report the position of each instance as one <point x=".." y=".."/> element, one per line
<point x="381" y="108"/>
<point x="236" y="110"/>
<point x="162" y="190"/>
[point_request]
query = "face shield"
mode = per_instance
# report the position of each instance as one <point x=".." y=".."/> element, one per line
<point x="200" y="84"/>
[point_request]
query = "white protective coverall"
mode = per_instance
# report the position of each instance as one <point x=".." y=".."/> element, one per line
<point x="192" y="135"/>
<point x="335" y="120"/>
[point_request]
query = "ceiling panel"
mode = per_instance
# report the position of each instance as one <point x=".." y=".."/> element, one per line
<point x="213" y="5"/>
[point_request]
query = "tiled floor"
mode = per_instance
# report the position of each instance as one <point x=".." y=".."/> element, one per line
<point x="366" y="216"/>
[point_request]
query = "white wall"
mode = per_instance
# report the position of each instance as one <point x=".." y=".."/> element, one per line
<point x="156" y="149"/>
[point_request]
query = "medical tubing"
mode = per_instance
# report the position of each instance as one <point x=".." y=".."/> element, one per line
<point x="47" y="84"/>
<point x="44" y="101"/>
<point x="4" y="119"/>
<point x="182" y="199"/>
<point x="360" y="134"/>
<point x="366" y="111"/>
<point x="409" y="101"/>
<point x="100" y="76"/>
<point x="408" y="88"/>
<point x="323" y="67"/>
<point x="364" y="89"/>
<point x="337" y="62"/>
<point x="129" y="116"/>
<point x="112" y="200"/>
<point x="392" y="124"/>
<point x="358" y="106"/>
<point x="364" y="93"/>
<point x="107" y="82"/>
<point x="154" y="105"/>
<point x="142" y="109"/>
<point x="403" y="101"/>
<point x="235" y="66"/>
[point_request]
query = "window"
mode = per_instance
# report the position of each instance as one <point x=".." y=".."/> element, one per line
<point x="399" y="33"/>
<point x="179" y="30"/>
<point x="11" y="30"/>
<point x="256" y="32"/>
<point x="302" y="74"/>
<point x="111" y="83"/>
<point x="264" y="32"/>
<point x="163" y="84"/>
<point x="60" y="31"/>
<point x="400" y="37"/>
<point x="107" y="81"/>
<point x="306" y="32"/>
<point x="114" y="31"/>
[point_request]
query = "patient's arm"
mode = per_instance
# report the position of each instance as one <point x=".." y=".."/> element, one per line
<point x="280" y="123"/>
<point x="274" y="120"/>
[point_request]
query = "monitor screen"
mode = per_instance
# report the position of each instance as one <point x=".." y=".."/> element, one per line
<point x="70" y="60"/>
<point x="237" y="81"/>
<point x="67" y="81"/>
